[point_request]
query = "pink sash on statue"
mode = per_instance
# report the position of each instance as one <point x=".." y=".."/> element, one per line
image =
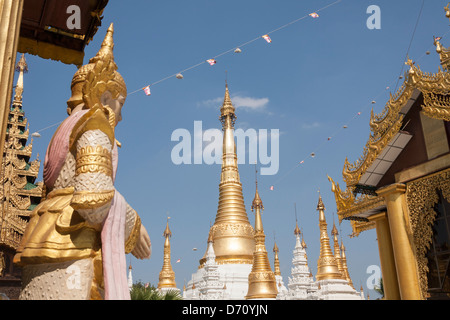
<point x="113" y="230"/>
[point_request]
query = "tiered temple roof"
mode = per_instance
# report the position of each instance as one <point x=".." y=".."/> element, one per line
<point x="391" y="132"/>
<point x="19" y="192"/>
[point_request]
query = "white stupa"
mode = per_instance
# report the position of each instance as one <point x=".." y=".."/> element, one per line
<point x="301" y="282"/>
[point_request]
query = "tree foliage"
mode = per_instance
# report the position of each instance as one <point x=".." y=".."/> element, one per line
<point x="141" y="291"/>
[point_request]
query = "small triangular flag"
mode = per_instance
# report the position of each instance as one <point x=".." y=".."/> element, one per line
<point x="267" y="38"/>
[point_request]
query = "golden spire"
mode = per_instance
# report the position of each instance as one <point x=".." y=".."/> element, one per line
<point x="167" y="276"/>
<point x="276" y="263"/>
<point x="232" y="232"/>
<point x="327" y="267"/>
<point x="337" y="251"/>
<point x="22" y="68"/>
<point x="346" y="275"/>
<point x="261" y="280"/>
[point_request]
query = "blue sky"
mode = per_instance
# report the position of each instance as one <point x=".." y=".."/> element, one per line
<point x="313" y="78"/>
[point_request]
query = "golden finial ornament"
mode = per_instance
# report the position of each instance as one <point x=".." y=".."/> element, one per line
<point x="297" y="231"/>
<point x="447" y="11"/>
<point x="444" y="53"/>
<point x="261" y="280"/>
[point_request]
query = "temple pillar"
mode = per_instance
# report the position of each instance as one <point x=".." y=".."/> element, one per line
<point x="10" y="19"/>
<point x="402" y="241"/>
<point x="387" y="260"/>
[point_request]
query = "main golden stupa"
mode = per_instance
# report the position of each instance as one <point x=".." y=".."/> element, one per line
<point x="232" y="235"/>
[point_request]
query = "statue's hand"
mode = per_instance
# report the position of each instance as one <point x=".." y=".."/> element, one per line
<point x="143" y="248"/>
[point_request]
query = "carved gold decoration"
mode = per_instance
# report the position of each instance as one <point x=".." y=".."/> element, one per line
<point x="421" y="198"/>
<point x="360" y="226"/>
<point x="134" y="236"/>
<point x="348" y="205"/>
<point x="94" y="159"/>
<point x="91" y="199"/>
<point x="436" y="106"/>
<point x="444" y="54"/>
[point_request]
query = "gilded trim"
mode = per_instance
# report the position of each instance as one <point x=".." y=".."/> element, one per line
<point x="91" y="199"/>
<point x="94" y="159"/>
<point x="421" y="197"/>
<point x="134" y="236"/>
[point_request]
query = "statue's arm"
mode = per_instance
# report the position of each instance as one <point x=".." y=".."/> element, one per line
<point x="93" y="181"/>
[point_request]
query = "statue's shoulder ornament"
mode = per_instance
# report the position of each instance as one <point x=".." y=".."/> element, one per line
<point x="97" y="118"/>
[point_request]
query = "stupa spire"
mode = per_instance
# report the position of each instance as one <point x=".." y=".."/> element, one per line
<point x="337" y="250"/>
<point x="232" y="233"/>
<point x="276" y="263"/>
<point x="22" y="68"/>
<point x="167" y="275"/>
<point x="345" y="274"/>
<point x="327" y="267"/>
<point x="261" y="280"/>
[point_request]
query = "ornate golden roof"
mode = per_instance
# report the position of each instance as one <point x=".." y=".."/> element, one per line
<point x="386" y="125"/>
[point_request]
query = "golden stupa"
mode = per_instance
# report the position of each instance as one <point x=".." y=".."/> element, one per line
<point x="231" y="233"/>
<point x="327" y="266"/>
<point x="167" y="275"/>
<point x="261" y="280"/>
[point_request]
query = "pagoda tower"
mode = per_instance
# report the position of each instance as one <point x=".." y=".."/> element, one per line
<point x="337" y="250"/>
<point x="345" y="273"/>
<point x="167" y="275"/>
<point x="301" y="283"/>
<point x="18" y="191"/>
<point x="211" y="288"/>
<point x="261" y="280"/>
<point x="282" y="290"/>
<point x="232" y="234"/>
<point x="130" y="277"/>
<point x="331" y="284"/>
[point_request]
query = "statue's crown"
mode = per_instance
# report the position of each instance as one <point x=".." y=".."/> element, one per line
<point x="105" y="54"/>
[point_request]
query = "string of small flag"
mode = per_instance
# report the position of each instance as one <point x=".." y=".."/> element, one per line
<point x="267" y="38"/>
<point x="237" y="49"/>
<point x="213" y="61"/>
